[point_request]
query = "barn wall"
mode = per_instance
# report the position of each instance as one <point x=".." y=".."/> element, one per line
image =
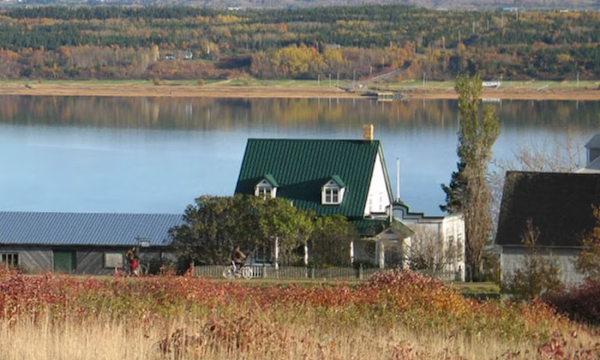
<point x="513" y="258"/>
<point x="88" y="260"/>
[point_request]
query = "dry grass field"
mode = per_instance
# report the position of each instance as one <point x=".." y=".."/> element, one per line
<point x="392" y="315"/>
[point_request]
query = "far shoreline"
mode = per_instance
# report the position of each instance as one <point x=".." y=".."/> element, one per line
<point x="291" y="89"/>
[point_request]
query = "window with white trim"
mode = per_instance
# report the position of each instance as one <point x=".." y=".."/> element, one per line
<point x="265" y="190"/>
<point x="332" y="194"/>
<point x="9" y="260"/>
<point x="113" y="260"/>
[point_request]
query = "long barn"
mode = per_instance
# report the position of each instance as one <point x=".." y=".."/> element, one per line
<point x="82" y="243"/>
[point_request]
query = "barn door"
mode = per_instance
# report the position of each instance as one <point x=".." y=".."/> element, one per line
<point x="64" y="261"/>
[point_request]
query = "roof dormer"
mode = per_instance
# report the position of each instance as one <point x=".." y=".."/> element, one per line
<point x="332" y="193"/>
<point x="267" y="187"/>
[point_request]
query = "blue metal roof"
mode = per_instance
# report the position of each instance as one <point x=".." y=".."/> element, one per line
<point x="48" y="228"/>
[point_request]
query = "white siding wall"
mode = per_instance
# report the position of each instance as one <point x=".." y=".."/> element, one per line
<point x="454" y="226"/>
<point x="444" y="227"/>
<point x="378" y="198"/>
<point x="513" y="258"/>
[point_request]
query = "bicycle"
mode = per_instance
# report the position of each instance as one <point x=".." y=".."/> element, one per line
<point x="124" y="270"/>
<point x="234" y="271"/>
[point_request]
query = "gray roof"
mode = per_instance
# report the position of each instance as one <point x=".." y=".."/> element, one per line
<point x="558" y="204"/>
<point x="594" y="142"/>
<point x="591" y="168"/>
<point x="48" y="228"/>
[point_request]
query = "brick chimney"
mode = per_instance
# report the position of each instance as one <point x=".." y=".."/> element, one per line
<point x="368" y="132"/>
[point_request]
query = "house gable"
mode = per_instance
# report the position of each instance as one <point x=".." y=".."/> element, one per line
<point x="558" y="204"/>
<point x="380" y="195"/>
<point x="302" y="167"/>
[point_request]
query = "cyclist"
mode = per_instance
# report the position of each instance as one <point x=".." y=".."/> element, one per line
<point x="238" y="257"/>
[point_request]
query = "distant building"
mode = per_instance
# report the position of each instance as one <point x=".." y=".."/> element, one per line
<point x="82" y="243"/>
<point x="592" y="156"/>
<point x="558" y="205"/>
<point x="445" y="235"/>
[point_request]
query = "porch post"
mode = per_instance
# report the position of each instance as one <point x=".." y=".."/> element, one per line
<point x="381" y="255"/>
<point x="351" y="252"/>
<point x="276" y="252"/>
<point x="305" y="254"/>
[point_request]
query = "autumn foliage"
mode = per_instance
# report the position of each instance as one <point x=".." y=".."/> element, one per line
<point x="247" y="318"/>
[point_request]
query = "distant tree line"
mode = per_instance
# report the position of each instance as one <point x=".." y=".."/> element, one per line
<point x="346" y="41"/>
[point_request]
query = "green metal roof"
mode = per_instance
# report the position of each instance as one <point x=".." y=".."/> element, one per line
<point x="271" y="180"/>
<point x="302" y="167"/>
<point x="338" y="180"/>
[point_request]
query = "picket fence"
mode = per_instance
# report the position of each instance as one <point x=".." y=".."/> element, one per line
<point x="297" y="272"/>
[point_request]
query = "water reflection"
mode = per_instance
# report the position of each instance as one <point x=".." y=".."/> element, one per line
<point x="227" y="114"/>
<point x="112" y="154"/>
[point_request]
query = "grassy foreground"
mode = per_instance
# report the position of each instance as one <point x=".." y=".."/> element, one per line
<point x="393" y="315"/>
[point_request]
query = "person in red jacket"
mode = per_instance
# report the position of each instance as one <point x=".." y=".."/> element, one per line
<point x="133" y="261"/>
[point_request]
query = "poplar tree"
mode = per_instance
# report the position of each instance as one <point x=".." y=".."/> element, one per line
<point x="469" y="192"/>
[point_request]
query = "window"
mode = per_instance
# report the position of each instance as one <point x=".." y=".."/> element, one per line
<point x="261" y="255"/>
<point x="265" y="190"/>
<point x="450" y="243"/>
<point x="332" y="196"/>
<point x="113" y="260"/>
<point x="332" y="193"/>
<point x="10" y="260"/>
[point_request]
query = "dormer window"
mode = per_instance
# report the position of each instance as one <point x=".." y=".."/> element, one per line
<point x="266" y="188"/>
<point x="332" y="193"/>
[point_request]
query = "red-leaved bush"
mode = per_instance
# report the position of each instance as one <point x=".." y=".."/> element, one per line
<point x="581" y="303"/>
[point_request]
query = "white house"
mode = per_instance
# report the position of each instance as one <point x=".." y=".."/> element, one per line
<point x="438" y="242"/>
<point x="344" y="177"/>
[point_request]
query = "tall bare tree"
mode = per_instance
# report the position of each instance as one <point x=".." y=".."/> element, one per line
<point x="427" y="251"/>
<point x="469" y="192"/>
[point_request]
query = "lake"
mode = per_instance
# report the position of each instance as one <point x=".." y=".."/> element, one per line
<point x="156" y="155"/>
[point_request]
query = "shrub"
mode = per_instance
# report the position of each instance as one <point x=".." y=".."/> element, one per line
<point x="200" y="82"/>
<point x="579" y="303"/>
<point x="538" y="275"/>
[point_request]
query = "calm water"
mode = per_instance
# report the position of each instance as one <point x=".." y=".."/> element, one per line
<point x="105" y="154"/>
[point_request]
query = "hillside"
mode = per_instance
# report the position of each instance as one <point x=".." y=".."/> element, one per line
<point x="266" y="4"/>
